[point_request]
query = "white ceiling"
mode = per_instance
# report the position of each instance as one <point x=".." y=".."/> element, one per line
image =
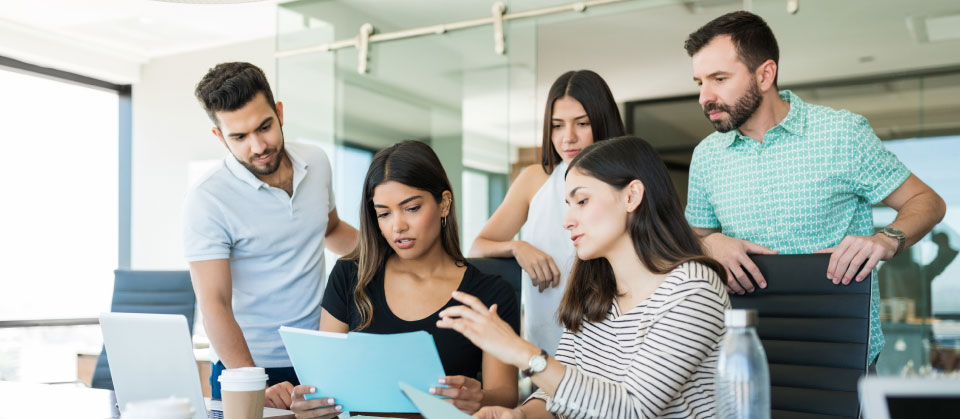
<point x="145" y="29"/>
<point x="113" y="37"/>
<point x="139" y="30"/>
<point x="825" y="31"/>
<point x="636" y="47"/>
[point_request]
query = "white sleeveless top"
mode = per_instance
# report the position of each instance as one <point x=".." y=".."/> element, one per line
<point x="544" y="230"/>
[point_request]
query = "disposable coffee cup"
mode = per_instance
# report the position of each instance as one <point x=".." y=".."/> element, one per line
<point x="242" y="391"/>
<point x="170" y="408"/>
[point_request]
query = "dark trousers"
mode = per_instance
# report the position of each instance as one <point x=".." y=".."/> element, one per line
<point x="274" y="376"/>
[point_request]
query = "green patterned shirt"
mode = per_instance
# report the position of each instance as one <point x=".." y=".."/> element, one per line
<point x="811" y="183"/>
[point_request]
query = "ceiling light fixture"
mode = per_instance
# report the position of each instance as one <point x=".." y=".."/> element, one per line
<point x="793" y="6"/>
<point x="934" y="28"/>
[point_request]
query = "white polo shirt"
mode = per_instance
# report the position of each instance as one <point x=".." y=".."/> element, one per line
<point x="274" y="243"/>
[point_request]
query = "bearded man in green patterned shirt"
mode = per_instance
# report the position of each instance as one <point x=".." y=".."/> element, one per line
<point x="784" y="176"/>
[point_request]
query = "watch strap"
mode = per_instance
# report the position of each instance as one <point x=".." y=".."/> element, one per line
<point x="529" y="370"/>
<point x="896" y="234"/>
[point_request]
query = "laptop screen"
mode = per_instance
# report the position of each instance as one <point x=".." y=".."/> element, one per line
<point x="910" y="407"/>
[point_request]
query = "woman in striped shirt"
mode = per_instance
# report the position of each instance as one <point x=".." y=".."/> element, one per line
<point x="643" y="311"/>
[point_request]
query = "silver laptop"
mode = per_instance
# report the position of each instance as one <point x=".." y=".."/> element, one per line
<point x="909" y="398"/>
<point x="151" y="357"/>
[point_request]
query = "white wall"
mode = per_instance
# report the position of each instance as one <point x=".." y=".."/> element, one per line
<point x="170" y="129"/>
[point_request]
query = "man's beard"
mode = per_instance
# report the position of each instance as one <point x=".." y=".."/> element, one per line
<point x="271" y="167"/>
<point x="742" y="111"/>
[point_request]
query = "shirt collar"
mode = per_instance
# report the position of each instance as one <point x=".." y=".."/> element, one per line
<point x="244" y="174"/>
<point x="730" y="137"/>
<point x="792" y="123"/>
<point x="298" y="163"/>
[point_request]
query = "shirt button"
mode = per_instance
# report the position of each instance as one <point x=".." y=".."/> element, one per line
<point x="769" y="229"/>
<point x="764" y="189"/>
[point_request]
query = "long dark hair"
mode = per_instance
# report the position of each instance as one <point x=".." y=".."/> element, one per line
<point x="661" y="236"/>
<point x="414" y="164"/>
<point x="594" y="95"/>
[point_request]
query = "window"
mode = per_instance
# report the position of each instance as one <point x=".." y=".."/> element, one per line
<point x="60" y="214"/>
<point x="349" y="165"/>
<point x="60" y="218"/>
<point x="916" y="117"/>
<point x="920" y="288"/>
<point x="482" y="194"/>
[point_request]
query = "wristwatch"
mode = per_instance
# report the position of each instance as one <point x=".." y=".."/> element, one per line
<point x="536" y="364"/>
<point x="897" y="234"/>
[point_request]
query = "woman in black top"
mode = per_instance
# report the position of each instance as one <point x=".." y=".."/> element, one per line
<point x="402" y="274"/>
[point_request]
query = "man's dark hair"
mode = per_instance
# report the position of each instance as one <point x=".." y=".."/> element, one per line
<point x="750" y="34"/>
<point x="230" y="86"/>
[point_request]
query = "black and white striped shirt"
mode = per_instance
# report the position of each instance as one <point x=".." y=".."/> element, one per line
<point x="657" y="360"/>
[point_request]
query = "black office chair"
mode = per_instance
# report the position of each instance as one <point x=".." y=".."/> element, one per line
<point x="815" y="334"/>
<point x="507" y="268"/>
<point x="157" y="292"/>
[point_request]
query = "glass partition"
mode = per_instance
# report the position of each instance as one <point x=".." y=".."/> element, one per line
<point x="916" y="117"/>
<point x="451" y="91"/>
<point x="920" y="288"/>
<point x="481" y="112"/>
<point x="477" y="109"/>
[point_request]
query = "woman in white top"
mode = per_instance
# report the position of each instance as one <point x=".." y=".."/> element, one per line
<point x="580" y="111"/>
<point x="643" y="311"/>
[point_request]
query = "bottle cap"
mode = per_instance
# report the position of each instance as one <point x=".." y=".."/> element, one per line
<point x="741" y="318"/>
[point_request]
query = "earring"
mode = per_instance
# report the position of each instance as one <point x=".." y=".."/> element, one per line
<point x="443" y="222"/>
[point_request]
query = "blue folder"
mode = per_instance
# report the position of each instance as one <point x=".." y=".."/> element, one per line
<point x="361" y="370"/>
<point x="432" y="407"/>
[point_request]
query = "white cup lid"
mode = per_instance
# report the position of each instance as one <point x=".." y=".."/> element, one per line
<point x="169" y="408"/>
<point x="243" y="374"/>
<point x="243" y="379"/>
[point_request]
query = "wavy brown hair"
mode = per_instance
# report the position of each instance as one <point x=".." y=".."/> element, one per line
<point x="594" y="95"/>
<point x="414" y="164"/>
<point x="661" y="236"/>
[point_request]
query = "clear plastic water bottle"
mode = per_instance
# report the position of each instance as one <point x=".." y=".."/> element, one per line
<point x="743" y="378"/>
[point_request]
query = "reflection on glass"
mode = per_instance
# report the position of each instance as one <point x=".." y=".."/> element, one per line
<point x="920" y="288"/>
<point x="450" y="91"/>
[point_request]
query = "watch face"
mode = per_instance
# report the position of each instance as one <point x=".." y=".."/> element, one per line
<point x="538" y="363"/>
<point x="890" y="231"/>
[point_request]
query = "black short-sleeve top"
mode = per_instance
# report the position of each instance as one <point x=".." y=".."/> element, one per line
<point x="457" y="354"/>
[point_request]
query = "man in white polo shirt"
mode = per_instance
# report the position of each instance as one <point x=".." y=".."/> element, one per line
<point x="254" y="228"/>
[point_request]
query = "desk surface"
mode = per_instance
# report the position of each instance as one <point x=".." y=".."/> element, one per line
<point x="28" y="400"/>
